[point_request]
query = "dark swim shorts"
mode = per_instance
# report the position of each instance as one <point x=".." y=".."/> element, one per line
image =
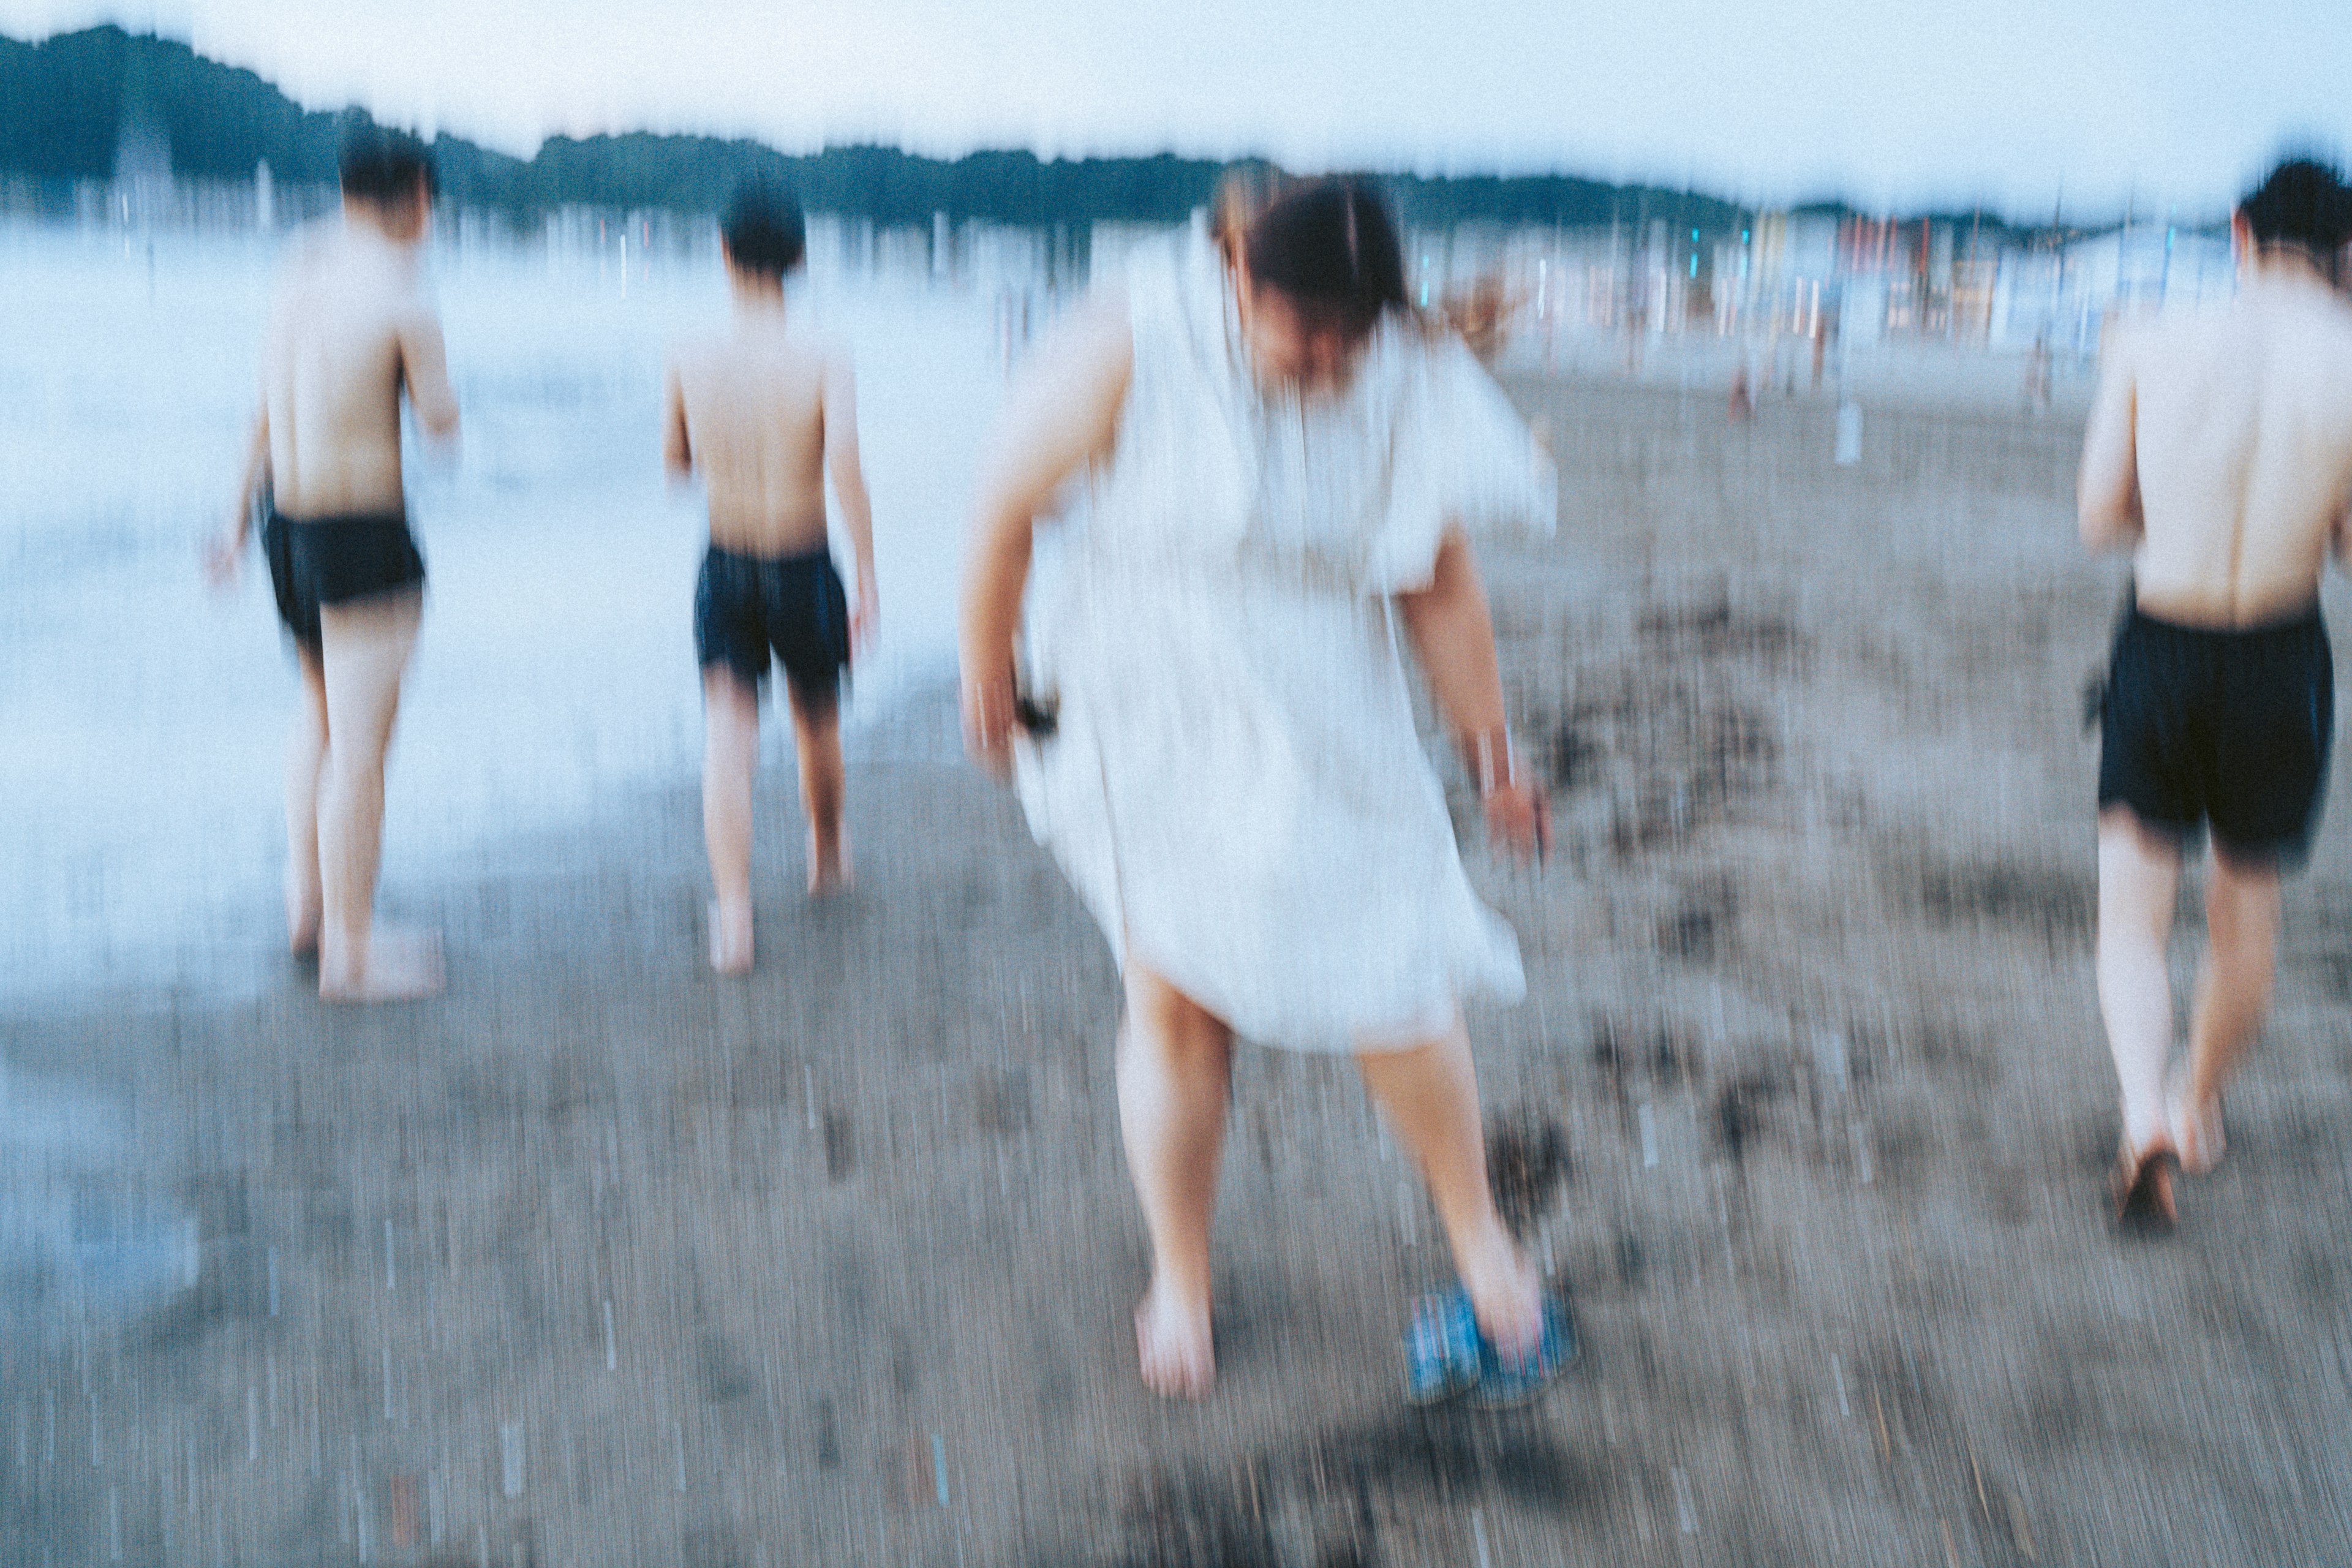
<point x="2230" y="729"/>
<point x="336" y="561"/>
<point x="749" y="608"/>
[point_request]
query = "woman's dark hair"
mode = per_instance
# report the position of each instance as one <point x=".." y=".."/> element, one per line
<point x="1244" y="191"/>
<point x="765" y="230"/>
<point x="382" y="166"/>
<point x="1330" y="247"/>
<point x="2304" y="203"/>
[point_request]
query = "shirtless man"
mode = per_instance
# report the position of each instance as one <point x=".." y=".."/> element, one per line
<point x="2219" y="450"/>
<point x="351" y="330"/>
<point x="764" y="412"/>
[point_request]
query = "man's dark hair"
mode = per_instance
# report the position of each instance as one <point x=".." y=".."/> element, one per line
<point x="1329" y="246"/>
<point x="2304" y="203"/>
<point x="382" y="165"/>
<point x="765" y="230"/>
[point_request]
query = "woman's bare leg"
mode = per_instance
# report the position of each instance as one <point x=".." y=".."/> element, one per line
<point x="1175" y="1074"/>
<point x="731" y="724"/>
<point x="1430" y="1093"/>
<point x="306" y="764"/>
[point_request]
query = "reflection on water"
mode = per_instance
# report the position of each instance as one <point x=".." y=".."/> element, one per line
<point x="82" y="1237"/>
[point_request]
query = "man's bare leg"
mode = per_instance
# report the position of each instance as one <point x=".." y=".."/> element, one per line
<point x="2233" y="993"/>
<point x="1175" y="1074"/>
<point x="731" y="722"/>
<point x="306" y="762"/>
<point x="2139" y="882"/>
<point x="365" y="650"/>
<point x="816" y="737"/>
<point x="1429" y="1094"/>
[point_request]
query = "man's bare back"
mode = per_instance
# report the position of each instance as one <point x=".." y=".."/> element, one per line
<point x="2221" y="444"/>
<point x="351" y="330"/>
<point x="2220" y="448"/>
<point x="748" y="411"/>
<point x="766" y="413"/>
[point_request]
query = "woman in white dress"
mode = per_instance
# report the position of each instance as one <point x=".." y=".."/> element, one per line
<point x="1282" y="464"/>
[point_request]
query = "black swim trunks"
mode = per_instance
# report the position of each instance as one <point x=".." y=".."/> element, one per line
<point x="336" y="561"/>
<point x="749" y="608"/>
<point x="2226" y="727"/>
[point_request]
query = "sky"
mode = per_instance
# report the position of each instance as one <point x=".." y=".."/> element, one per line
<point x="2017" y="106"/>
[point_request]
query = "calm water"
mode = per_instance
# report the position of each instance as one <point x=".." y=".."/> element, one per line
<point x="554" y="676"/>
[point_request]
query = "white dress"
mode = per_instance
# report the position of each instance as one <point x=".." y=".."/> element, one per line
<point x="1235" y="787"/>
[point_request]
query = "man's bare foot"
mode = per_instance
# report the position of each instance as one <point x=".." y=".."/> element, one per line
<point x="1507" y="1293"/>
<point x="1173" y="1346"/>
<point x="829" y="874"/>
<point x="2196" y="1128"/>
<point x="731" y="939"/>
<point x="401" y="965"/>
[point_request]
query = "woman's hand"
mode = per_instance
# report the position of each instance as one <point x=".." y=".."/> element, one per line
<point x="1519" y="815"/>
<point x="1519" y="812"/>
<point x="989" y="717"/>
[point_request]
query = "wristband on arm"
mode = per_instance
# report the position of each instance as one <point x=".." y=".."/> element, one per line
<point x="1494" y="760"/>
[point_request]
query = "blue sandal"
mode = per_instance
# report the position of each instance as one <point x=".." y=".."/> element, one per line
<point x="1502" y="1386"/>
<point x="1444" y="1350"/>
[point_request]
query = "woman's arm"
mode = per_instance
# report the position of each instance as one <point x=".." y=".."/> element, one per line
<point x="1062" y="413"/>
<point x="1452" y="632"/>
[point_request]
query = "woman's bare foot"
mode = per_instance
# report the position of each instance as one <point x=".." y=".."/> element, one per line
<point x="2141" y="1185"/>
<point x="1173" y="1346"/>
<point x="731" y="939"/>
<point x="1507" y="1293"/>
<point x="829" y="874"/>
<point x="305" y="912"/>
<point x="2196" y="1128"/>
<point x="397" y="964"/>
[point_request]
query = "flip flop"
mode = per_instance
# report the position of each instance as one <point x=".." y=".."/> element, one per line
<point x="1506" y="1386"/>
<point x="1443" y="1348"/>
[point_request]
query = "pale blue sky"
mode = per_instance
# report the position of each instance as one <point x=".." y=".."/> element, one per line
<point x="2166" y="102"/>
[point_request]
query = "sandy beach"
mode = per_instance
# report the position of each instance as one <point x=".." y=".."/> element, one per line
<point x="599" y="1259"/>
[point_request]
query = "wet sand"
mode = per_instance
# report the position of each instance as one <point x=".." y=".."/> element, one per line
<point x="599" y="1259"/>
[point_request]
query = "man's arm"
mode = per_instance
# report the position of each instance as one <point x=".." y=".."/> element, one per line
<point x="678" y="452"/>
<point x="837" y="407"/>
<point x="2107" y="491"/>
<point x="1062" y="413"/>
<point x="424" y="371"/>
<point x="228" y="548"/>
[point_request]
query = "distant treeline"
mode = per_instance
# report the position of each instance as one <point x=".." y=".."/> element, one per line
<point x="65" y="102"/>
